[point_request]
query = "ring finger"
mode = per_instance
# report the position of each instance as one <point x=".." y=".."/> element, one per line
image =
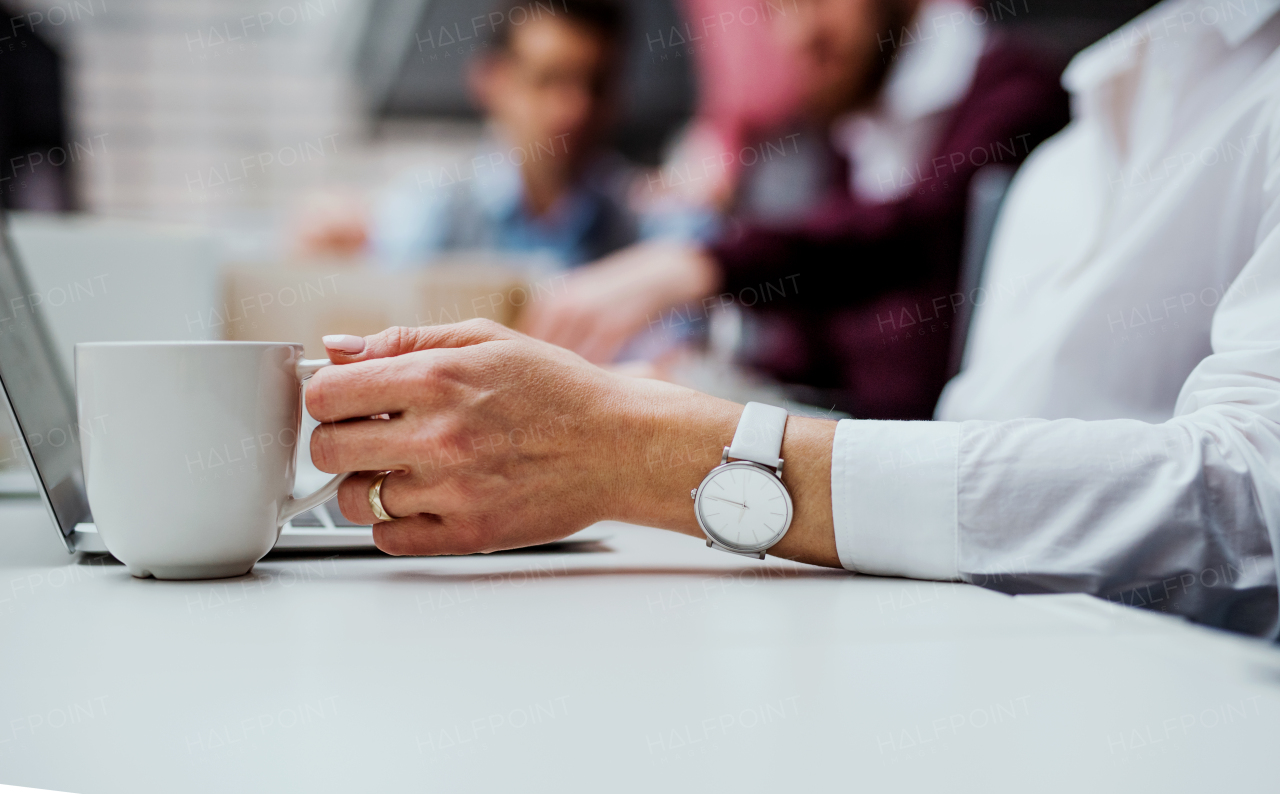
<point x="399" y="496"/>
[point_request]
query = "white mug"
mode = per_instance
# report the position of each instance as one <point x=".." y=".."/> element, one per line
<point x="189" y="451"/>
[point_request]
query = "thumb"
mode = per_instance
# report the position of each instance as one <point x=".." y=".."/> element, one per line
<point x="396" y="341"/>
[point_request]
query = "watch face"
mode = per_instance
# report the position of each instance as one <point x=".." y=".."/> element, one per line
<point x="744" y="506"/>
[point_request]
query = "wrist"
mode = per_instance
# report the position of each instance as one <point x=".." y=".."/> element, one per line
<point x="668" y="438"/>
<point x="806" y="450"/>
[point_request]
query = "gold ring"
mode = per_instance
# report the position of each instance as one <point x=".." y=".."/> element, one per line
<point x="375" y="498"/>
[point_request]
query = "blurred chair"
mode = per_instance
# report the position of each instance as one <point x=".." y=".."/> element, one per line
<point x="987" y="192"/>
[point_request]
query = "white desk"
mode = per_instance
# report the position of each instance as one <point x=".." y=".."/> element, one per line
<point x="659" y="665"/>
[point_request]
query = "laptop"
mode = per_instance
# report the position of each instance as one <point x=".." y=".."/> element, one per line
<point x="41" y="404"/>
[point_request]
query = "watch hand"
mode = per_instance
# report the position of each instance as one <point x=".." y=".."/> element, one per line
<point x="730" y="501"/>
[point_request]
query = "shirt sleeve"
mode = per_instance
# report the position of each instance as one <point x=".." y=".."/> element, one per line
<point x="1181" y="516"/>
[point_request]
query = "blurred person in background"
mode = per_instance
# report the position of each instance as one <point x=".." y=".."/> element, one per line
<point x="746" y="86"/>
<point x="540" y="184"/>
<point x="917" y="95"/>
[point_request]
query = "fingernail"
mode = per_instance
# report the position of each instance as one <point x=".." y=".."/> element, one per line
<point x="344" y="343"/>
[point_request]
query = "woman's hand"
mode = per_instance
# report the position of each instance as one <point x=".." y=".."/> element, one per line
<point x="497" y="440"/>
<point x="500" y="441"/>
<point x="605" y="305"/>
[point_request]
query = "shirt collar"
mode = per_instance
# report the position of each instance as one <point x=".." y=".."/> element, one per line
<point x="499" y="188"/>
<point x="936" y="57"/>
<point x="1117" y="52"/>
<point x="1237" y="27"/>
<point x="499" y="191"/>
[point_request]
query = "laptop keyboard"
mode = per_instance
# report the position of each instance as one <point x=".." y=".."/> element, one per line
<point x="312" y="518"/>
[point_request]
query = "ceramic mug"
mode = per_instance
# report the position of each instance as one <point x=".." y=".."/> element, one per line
<point x="189" y="451"/>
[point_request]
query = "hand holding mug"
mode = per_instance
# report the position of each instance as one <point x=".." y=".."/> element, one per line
<point x="498" y="441"/>
<point x="495" y="440"/>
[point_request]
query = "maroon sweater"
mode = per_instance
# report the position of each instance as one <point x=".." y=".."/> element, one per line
<point x="855" y="300"/>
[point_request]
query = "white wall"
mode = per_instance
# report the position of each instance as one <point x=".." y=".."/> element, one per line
<point x="229" y="114"/>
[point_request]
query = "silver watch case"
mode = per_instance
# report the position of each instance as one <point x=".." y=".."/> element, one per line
<point x="715" y="540"/>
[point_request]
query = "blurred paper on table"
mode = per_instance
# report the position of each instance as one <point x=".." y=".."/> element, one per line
<point x="302" y="303"/>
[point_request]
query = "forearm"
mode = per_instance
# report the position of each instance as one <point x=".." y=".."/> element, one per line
<point x="499" y="441"/>
<point x="669" y="437"/>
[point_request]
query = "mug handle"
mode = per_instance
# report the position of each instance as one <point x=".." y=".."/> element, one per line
<point x="292" y="507"/>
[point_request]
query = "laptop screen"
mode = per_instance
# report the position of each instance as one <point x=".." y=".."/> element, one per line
<point x="41" y="402"/>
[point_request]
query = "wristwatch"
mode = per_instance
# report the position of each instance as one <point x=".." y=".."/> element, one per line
<point x="742" y="505"/>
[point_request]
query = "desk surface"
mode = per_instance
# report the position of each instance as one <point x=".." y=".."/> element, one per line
<point x="654" y="665"/>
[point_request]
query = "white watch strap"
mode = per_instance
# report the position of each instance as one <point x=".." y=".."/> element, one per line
<point x="759" y="435"/>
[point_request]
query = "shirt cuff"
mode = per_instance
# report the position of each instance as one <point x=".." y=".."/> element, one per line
<point x="893" y="498"/>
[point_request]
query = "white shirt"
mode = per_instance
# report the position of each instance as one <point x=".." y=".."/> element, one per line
<point x="935" y="59"/>
<point x="1116" y="428"/>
